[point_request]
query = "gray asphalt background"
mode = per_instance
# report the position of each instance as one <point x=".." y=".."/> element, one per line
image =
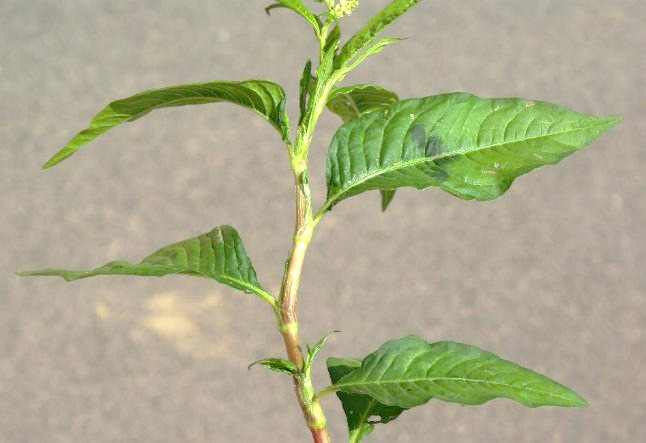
<point x="550" y="276"/>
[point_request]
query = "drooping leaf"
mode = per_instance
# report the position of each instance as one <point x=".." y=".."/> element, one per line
<point x="375" y="25"/>
<point x="265" y="98"/>
<point x="471" y="147"/>
<point x="359" y="409"/>
<point x="300" y="8"/>
<point x="352" y="101"/>
<point x="409" y="372"/>
<point x="219" y="254"/>
<point x="278" y="365"/>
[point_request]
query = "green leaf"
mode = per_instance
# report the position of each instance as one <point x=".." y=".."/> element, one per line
<point x="375" y="25"/>
<point x="333" y="39"/>
<point x="307" y="80"/>
<point x="352" y="101"/>
<point x="409" y="372"/>
<point x="471" y="147"/>
<point x="265" y="98"/>
<point x="298" y="7"/>
<point x="387" y="196"/>
<point x="359" y="409"/>
<point x="372" y="50"/>
<point x="219" y="254"/>
<point x="313" y="352"/>
<point x="278" y="365"/>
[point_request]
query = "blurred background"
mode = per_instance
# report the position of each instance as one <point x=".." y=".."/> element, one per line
<point x="550" y="276"/>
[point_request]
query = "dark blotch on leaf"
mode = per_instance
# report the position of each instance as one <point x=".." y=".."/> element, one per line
<point x="434" y="146"/>
<point x="418" y="136"/>
<point x="438" y="174"/>
<point x="445" y="161"/>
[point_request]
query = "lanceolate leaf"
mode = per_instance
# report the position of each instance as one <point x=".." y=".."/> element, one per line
<point x="219" y="254"/>
<point x="300" y="8"/>
<point x="409" y="372"/>
<point x="352" y="101"/>
<point x="360" y="410"/>
<point x="307" y="81"/>
<point x="374" y="26"/>
<point x="471" y="147"/>
<point x="265" y="98"/>
<point x="278" y="365"/>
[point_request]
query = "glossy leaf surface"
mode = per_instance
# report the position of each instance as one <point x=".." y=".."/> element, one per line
<point x="219" y="254"/>
<point x="375" y="25"/>
<point x="352" y="101"/>
<point x="359" y="409"/>
<point x="471" y="147"/>
<point x="409" y="372"/>
<point x="265" y="98"/>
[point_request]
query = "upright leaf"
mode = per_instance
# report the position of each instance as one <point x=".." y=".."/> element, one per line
<point x="375" y="25"/>
<point x="471" y="147"/>
<point x="298" y="7"/>
<point x="359" y="409"/>
<point x="352" y="101"/>
<point x="332" y="41"/>
<point x="265" y="98"/>
<point x="307" y="81"/>
<point x="219" y="254"/>
<point x="409" y="372"/>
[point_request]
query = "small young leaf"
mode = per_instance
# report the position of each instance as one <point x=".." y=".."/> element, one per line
<point x="409" y="372"/>
<point x="372" y="50"/>
<point x="333" y="39"/>
<point x="352" y="101"/>
<point x="374" y="26"/>
<point x="265" y="98"/>
<point x="298" y="7"/>
<point x="219" y="254"/>
<point x="471" y="147"/>
<point x="278" y="365"/>
<point x="313" y="352"/>
<point x="359" y="409"/>
<point x="307" y="80"/>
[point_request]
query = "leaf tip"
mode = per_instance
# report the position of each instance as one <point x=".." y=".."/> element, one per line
<point x="54" y="160"/>
<point x="577" y="401"/>
<point x="48" y="164"/>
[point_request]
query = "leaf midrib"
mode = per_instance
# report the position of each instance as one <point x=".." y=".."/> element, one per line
<point x="401" y="165"/>
<point x="183" y="269"/>
<point x="339" y="387"/>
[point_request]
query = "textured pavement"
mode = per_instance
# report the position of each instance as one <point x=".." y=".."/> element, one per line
<point x="550" y="276"/>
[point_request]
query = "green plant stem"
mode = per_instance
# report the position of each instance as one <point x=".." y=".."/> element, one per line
<point x="287" y="315"/>
<point x="286" y="309"/>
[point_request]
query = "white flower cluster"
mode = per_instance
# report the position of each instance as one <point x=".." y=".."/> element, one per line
<point x="343" y="8"/>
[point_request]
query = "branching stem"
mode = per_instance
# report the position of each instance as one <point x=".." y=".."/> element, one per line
<point x="304" y="227"/>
